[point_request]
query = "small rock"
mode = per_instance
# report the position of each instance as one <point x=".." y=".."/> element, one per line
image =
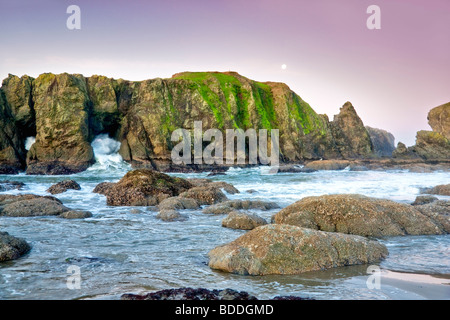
<point x="76" y="214"/>
<point x="243" y="221"/>
<point x="170" y="215"/>
<point x="135" y="211"/>
<point x="205" y="195"/>
<point x="63" y="186"/>
<point x="178" y="203"/>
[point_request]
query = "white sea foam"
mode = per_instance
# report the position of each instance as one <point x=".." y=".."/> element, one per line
<point x="29" y="142"/>
<point x="106" y="152"/>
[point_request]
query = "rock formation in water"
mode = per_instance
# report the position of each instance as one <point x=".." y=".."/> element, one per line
<point x="383" y="142"/>
<point x="430" y="145"/>
<point x="66" y="111"/>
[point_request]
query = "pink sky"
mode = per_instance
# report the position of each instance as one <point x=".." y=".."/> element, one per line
<point x="393" y="76"/>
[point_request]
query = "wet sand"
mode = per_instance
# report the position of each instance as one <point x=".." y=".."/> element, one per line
<point x="412" y="286"/>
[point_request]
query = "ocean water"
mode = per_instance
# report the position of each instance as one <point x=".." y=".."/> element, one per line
<point x="119" y="251"/>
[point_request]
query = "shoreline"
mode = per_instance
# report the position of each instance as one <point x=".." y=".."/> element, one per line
<point x="414" y="286"/>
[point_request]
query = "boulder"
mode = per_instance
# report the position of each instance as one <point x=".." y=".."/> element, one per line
<point x="231" y="205"/>
<point x="357" y="214"/>
<point x="243" y="221"/>
<point x="11" y="247"/>
<point x="31" y="206"/>
<point x="443" y="190"/>
<point x="402" y="152"/>
<point x="287" y="249"/>
<point x="63" y="186"/>
<point x="144" y="187"/>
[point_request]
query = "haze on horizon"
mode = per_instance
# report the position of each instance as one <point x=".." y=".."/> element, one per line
<point x="321" y="49"/>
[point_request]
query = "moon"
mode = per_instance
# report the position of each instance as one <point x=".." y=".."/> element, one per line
<point x="283" y="66"/>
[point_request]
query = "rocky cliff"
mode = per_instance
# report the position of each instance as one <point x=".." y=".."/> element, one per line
<point x="66" y="111"/>
<point x="430" y="145"/>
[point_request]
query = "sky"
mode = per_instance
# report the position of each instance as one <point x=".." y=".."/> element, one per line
<point x="393" y="76"/>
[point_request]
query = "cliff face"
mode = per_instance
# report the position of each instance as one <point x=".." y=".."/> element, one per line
<point x="383" y="142"/>
<point x="66" y="111"/>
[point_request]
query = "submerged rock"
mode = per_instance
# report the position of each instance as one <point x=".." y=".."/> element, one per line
<point x="170" y="215"/>
<point x="7" y="185"/>
<point x="357" y="214"/>
<point x="178" y="203"/>
<point x="292" y="168"/>
<point x="63" y="186"/>
<point x="243" y="221"/>
<point x="191" y="294"/>
<point x="231" y="205"/>
<point x="76" y="214"/>
<point x="143" y="187"/>
<point x="286" y="249"/>
<point x="11" y="247"/>
<point x="443" y="190"/>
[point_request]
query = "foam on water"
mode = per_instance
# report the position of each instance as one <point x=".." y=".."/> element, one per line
<point x="29" y="142"/>
<point x="140" y="251"/>
<point x="107" y="157"/>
